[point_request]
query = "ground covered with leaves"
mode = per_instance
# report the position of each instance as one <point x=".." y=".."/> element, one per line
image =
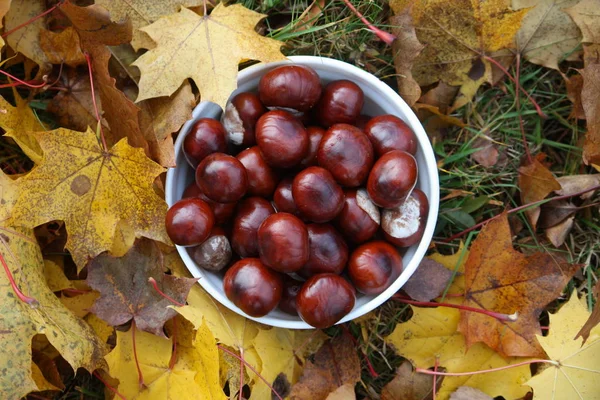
<point x="96" y="303"/>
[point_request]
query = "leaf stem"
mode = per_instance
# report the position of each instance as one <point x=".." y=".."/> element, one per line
<point x="387" y="37"/>
<point x="516" y="209"/>
<point x="112" y="389"/>
<point x="163" y="294"/>
<point x="231" y="353"/>
<point x="135" y="356"/>
<point x="21" y="82"/>
<point x="498" y="316"/>
<point x="241" y="389"/>
<point x="435" y="369"/>
<point x="24" y="298"/>
<point x="484" y="371"/>
<point x="89" y="63"/>
<point x="29" y="21"/>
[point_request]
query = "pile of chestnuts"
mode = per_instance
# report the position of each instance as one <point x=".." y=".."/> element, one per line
<point x="300" y="198"/>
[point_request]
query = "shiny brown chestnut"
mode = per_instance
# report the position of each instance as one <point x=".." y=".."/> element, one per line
<point x="388" y="132"/>
<point x="328" y="252"/>
<point x="392" y="178"/>
<point x="347" y="153"/>
<point x="214" y="253"/>
<point x="253" y="287"/>
<point x="222" y="178"/>
<point x="405" y="224"/>
<point x="361" y="121"/>
<point x="315" y="134"/>
<point x="282" y="139"/>
<point x="206" y="136"/>
<point x="325" y="299"/>
<point x="250" y="215"/>
<point x="240" y="117"/>
<point x="359" y="218"/>
<point x="283" y="242"/>
<point x="316" y="194"/>
<point x="374" y="266"/>
<point x="291" y="287"/>
<point x="189" y="222"/>
<point x="291" y="86"/>
<point x="262" y="180"/>
<point x="340" y="103"/>
<point x="284" y="199"/>
<point x="222" y="211"/>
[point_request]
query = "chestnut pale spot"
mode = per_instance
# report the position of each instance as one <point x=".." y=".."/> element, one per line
<point x="407" y="219"/>
<point x="81" y="185"/>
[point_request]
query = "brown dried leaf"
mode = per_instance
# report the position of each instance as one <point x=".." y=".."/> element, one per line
<point x="501" y="279"/>
<point x="487" y="154"/>
<point x="409" y="385"/>
<point x="310" y="15"/>
<point x="557" y="234"/>
<point x="574" y="86"/>
<point x="126" y="293"/>
<point x="555" y="212"/>
<point x="442" y="96"/>
<point x="26" y="40"/>
<point x="469" y="393"/>
<point x="406" y="48"/>
<point x="536" y="182"/>
<point x="586" y="16"/>
<point x="63" y="47"/>
<point x="594" y="318"/>
<point x="590" y="99"/>
<point x="428" y="281"/>
<point x="571" y="184"/>
<point x="335" y="364"/>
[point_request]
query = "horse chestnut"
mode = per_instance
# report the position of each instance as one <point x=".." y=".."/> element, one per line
<point x="374" y="266"/>
<point x="291" y="287"/>
<point x="283" y="242"/>
<point x="189" y="221"/>
<point x="240" y="117"/>
<point x="282" y="139"/>
<point x="251" y="286"/>
<point x="347" y="153"/>
<point x="284" y="199"/>
<point x="222" y="211"/>
<point x="405" y="224"/>
<point x="316" y="194"/>
<point x="388" y="132"/>
<point x="359" y="218"/>
<point x="325" y="299"/>
<point x="250" y="215"/>
<point x="315" y="134"/>
<point x="341" y="103"/>
<point x="222" y="178"/>
<point x="261" y="178"/>
<point x="206" y="136"/>
<point x="214" y="253"/>
<point x="328" y="252"/>
<point x="392" y="178"/>
<point x="290" y="86"/>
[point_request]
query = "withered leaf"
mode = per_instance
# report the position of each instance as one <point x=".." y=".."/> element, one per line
<point x="487" y="154"/>
<point x="590" y="99"/>
<point x="126" y="293"/>
<point x="501" y="279"/>
<point x="469" y="393"/>
<point x="62" y="47"/>
<point x="409" y="385"/>
<point x="571" y="184"/>
<point x="594" y="318"/>
<point x="535" y="182"/>
<point x="26" y="40"/>
<point x="558" y="233"/>
<point x="428" y="281"/>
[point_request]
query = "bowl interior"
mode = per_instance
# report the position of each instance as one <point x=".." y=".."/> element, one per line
<point x="379" y="99"/>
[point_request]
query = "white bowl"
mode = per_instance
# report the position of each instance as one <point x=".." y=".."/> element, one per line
<point x="379" y="99"/>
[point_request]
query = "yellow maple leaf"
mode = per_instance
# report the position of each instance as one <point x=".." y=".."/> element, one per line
<point x="207" y="49"/>
<point x="19" y="123"/>
<point x="161" y="382"/>
<point x="576" y="372"/>
<point x="91" y="190"/>
<point x="26" y="40"/>
<point x="432" y="333"/>
<point x="20" y="321"/>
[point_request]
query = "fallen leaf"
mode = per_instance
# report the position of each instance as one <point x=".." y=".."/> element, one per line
<point x="456" y="264"/>
<point x="590" y="99"/>
<point x="535" y="183"/>
<point x="102" y="329"/>
<point x="441" y="96"/>
<point x="20" y="321"/>
<point x="574" y="376"/>
<point x="26" y="39"/>
<point x="456" y="37"/>
<point x="62" y="47"/>
<point x="126" y="293"/>
<point x="41" y="382"/>
<point x="487" y="154"/>
<point x="4" y="7"/>
<point x="207" y="49"/>
<point x="585" y="14"/>
<point x="558" y="233"/>
<point x="81" y="304"/>
<point x="91" y="190"/>
<point x="335" y="364"/>
<point x="428" y="281"/>
<point x="410" y="385"/>
<point x="344" y="392"/>
<point x="547" y="35"/>
<point x="405" y="48"/>
<point x="571" y="184"/>
<point x="555" y="212"/>
<point x="143" y="13"/>
<point x="49" y="368"/>
<point x="501" y="279"/>
<point x="574" y="86"/>
<point x="594" y="317"/>
<point x="469" y="393"/>
<point x="432" y="334"/>
<point x="19" y="122"/>
<point x="55" y="277"/>
<point x="310" y="15"/>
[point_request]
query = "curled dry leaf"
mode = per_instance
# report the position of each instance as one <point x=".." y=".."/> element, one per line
<point x="410" y="385"/>
<point x="487" y="153"/>
<point x="555" y="212"/>
<point x="428" y="281"/>
<point x="26" y="40"/>
<point x="405" y="48"/>
<point x="207" y="49"/>
<point x="574" y="86"/>
<point x="92" y="190"/>
<point x="594" y="317"/>
<point x="126" y="293"/>
<point x="62" y="47"/>
<point x="558" y="233"/>
<point x="547" y="35"/>
<point x="590" y="99"/>
<point x="571" y="184"/>
<point x="501" y="279"/>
